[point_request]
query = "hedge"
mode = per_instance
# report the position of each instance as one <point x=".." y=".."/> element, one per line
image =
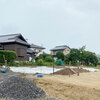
<point x="10" y="56"/>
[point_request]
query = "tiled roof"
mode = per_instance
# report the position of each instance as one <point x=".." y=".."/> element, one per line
<point x="36" y="46"/>
<point x="17" y="38"/>
<point x="29" y="51"/>
<point x="62" y="47"/>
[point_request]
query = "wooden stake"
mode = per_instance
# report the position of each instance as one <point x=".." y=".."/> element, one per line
<point x="5" y="61"/>
<point x="69" y="68"/>
<point x="53" y="67"/>
<point x="77" y="69"/>
<point x="4" y="57"/>
<point x="69" y="71"/>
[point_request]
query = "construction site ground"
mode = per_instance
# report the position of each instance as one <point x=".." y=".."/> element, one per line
<point x="83" y="87"/>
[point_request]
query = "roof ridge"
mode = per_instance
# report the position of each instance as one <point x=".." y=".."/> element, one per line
<point x="37" y="45"/>
<point x="61" y="45"/>
<point x="10" y="34"/>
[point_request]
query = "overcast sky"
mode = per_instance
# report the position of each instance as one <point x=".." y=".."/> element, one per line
<point x="53" y="22"/>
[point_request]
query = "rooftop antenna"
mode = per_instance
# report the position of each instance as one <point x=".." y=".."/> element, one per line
<point x="26" y="39"/>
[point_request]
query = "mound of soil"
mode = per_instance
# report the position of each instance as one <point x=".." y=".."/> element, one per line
<point x="20" y="89"/>
<point x="67" y="70"/>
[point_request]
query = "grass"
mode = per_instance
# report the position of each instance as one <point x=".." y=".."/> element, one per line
<point x="35" y="64"/>
<point x="97" y="67"/>
<point x="32" y="64"/>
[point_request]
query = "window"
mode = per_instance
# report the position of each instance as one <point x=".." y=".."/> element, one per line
<point x="21" y="56"/>
<point x="39" y="50"/>
<point x="1" y="47"/>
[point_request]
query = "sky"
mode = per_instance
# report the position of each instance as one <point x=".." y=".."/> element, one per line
<point x="51" y="23"/>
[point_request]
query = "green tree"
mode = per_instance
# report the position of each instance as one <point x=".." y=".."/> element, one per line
<point x="91" y="58"/>
<point x="45" y="57"/>
<point x="73" y="56"/>
<point x="98" y="58"/>
<point x="60" y="55"/>
<point x="37" y="58"/>
<point x="49" y="59"/>
<point x="40" y="62"/>
<point x="81" y="55"/>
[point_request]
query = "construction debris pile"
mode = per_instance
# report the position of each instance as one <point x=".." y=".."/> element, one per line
<point x="72" y="71"/>
<point x="20" y="89"/>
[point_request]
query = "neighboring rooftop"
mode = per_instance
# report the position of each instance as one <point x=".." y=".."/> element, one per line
<point x="29" y="51"/>
<point x="36" y="46"/>
<point x="17" y="38"/>
<point x="62" y="47"/>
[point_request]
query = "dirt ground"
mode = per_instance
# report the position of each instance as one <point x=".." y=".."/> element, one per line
<point x="83" y="87"/>
<point x="72" y="71"/>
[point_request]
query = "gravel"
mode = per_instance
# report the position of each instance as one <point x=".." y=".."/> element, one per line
<point x="4" y="76"/>
<point x="21" y="89"/>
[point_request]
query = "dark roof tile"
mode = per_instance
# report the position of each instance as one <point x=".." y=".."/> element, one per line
<point x="62" y="47"/>
<point x="17" y="38"/>
<point x="36" y="46"/>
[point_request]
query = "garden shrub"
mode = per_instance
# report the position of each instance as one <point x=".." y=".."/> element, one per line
<point x="40" y="62"/>
<point x="10" y="56"/>
<point x="60" y="55"/>
<point x="49" y="59"/>
<point x="45" y="57"/>
<point x="37" y="58"/>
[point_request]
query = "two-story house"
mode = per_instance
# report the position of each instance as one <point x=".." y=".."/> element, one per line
<point x="17" y="43"/>
<point x="34" y="51"/>
<point x="63" y="48"/>
<point x="37" y="49"/>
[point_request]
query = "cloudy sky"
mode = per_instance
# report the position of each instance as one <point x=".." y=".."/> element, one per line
<point x="53" y="22"/>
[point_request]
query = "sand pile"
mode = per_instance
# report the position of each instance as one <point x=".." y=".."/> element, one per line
<point x="66" y="71"/>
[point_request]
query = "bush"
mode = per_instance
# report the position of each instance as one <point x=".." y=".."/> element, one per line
<point x="37" y="58"/>
<point x="40" y="62"/>
<point x="60" y="55"/>
<point x="10" y="56"/>
<point x="49" y="59"/>
<point x="45" y="57"/>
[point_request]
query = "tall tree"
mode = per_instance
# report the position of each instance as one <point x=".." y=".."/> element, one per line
<point x="60" y="55"/>
<point x="81" y="55"/>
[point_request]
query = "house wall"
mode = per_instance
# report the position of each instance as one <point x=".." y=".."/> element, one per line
<point x="65" y="52"/>
<point x="54" y="52"/>
<point x="40" y="51"/>
<point x="9" y="47"/>
<point x="21" y="50"/>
